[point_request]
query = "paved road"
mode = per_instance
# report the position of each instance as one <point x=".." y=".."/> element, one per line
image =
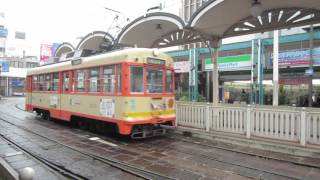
<point x="173" y="155"/>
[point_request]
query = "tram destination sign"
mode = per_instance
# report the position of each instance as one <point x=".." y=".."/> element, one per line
<point x="155" y="61"/>
<point x="76" y="61"/>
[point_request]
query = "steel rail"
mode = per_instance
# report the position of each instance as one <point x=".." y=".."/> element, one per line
<point x="47" y="163"/>
<point x="139" y="172"/>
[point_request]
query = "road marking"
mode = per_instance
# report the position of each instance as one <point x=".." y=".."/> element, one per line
<point x="103" y="141"/>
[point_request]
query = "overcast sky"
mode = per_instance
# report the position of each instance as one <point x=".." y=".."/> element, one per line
<point x="50" y="21"/>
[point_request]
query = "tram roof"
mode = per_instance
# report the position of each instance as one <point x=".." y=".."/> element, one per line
<point x="126" y="55"/>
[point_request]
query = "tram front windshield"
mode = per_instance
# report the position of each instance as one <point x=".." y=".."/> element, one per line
<point x="157" y="80"/>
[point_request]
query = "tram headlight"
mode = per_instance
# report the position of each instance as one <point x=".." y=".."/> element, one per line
<point x="155" y="52"/>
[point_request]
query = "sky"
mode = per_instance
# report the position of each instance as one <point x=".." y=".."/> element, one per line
<point x="57" y="21"/>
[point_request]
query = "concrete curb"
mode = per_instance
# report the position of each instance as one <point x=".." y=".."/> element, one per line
<point x="6" y="171"/>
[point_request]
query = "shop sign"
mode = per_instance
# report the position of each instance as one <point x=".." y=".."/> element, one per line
<point x="294" y="81"/>
<point x="17" y="83"/>
<point x="299" y="57"/>
<point x="181" y="67"/>
<point x="230" y="63"/>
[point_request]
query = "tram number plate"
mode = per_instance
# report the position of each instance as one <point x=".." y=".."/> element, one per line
<point x="107" y="108"/>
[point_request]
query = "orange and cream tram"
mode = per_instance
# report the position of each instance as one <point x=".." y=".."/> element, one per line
<point x="131" y="90"/>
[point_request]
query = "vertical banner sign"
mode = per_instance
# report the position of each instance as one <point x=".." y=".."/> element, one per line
<point x="45" y="52"/>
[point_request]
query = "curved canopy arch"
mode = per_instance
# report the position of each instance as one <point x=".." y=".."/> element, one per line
<point x="146" y="30"/>
<point x="63" y="48"/>
<point x="95" y="40"/>
<point x="226" y="18"/>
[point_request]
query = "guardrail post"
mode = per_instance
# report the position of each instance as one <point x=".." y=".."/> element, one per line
<point x="248" y="123"/>
<point x="177" y="114"/>
<point x="206" y="118"/>
<point x="303" y="127"/>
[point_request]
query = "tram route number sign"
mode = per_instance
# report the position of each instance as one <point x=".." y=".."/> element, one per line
<point x="107" y="108"/>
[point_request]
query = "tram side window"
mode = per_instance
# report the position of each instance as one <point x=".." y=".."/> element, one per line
<point x="119" y="85"/>
<point x="48" y="82"/>
<point x="136" y="79"/>
<point x="81" y="81"/>
<point x="35" y="83"/>
<point x="169" y="81"/>
<point x="94" y="81"/>
<point x="109" y="78"/>
<point x="154" y="80"/>
<point x="66" y="81"/>
<point x="55" y="82"/>
<point x="41" y="83"/>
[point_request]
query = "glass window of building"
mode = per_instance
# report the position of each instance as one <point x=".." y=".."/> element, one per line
<point x="136" y="79"/>
<point x="20" y="64"/>
<point x="169" y="81"/>
<point x="94" y="82"/>
<point x="66" y="81"/>
<point x="154" y="80"/>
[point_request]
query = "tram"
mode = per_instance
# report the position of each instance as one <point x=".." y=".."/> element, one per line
<point x="131" y="90"/>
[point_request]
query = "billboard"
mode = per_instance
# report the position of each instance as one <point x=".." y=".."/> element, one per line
<point x="45" y="52"/>
<point x="3" y="32"/>
<point x="20" y="35"/>
<point x="182" y="66"/>
<point x="300" y="57"/>
<point x="230" y="63"/>
<point x="54" y="47"/>
<point x="4" y="65"/>
<point x="17" y="83"/>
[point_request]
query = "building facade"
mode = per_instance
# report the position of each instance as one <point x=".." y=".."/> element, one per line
<point x="12" y="78"/>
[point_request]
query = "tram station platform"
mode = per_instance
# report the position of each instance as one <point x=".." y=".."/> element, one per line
<point x="12" y="161"/>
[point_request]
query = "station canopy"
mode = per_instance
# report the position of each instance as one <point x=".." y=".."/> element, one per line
<point x="95" y="41"/>
<point x="63" y="48"/>
<point x="216" y="19"/>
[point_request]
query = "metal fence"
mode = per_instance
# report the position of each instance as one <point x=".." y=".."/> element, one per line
<point x="282" y="123"/>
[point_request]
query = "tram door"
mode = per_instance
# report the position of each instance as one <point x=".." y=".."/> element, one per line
<point x="28" y="90"/>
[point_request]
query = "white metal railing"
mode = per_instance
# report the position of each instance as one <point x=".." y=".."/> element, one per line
<point x="228" y="119"/>
<point x="283" y="123"/>
<point x="313" y="128"/>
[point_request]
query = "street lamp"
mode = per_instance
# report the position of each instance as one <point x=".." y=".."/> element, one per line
<point x="256" y="8"/>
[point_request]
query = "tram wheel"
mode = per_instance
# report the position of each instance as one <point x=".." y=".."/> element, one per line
<point x="83" y="125"/>
<point x="92" y="126"/>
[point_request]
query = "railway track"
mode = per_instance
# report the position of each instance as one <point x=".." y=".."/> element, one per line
<point x="131" y="169"/>
<point x="213" y="159"/>
<point x="60" y="171"/>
